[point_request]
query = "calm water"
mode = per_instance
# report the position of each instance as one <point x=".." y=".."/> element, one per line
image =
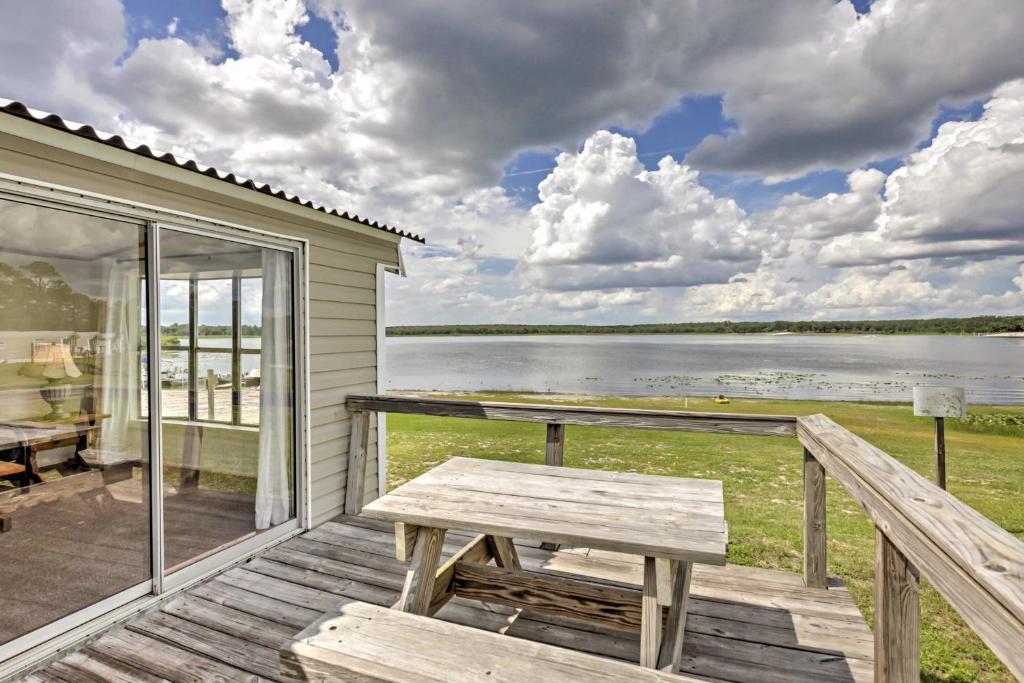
<point x="991" y="369"/>
<point x="220" y="363"/>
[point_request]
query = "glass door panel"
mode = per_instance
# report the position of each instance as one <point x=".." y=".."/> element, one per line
<point x="229" y="462"/>
<point x="74" y="456"/>
<point x="215" y="341"/>
<point x="174" y="345"/>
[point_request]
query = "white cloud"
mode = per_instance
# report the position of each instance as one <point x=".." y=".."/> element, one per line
<point x="442" y="95"/>
<point x="845" y="91"/>
<point x="48" y="50"/>
<point x="912" y="290"/>
<point x="788" y="290"/>
<point x="868" y="293"/>
<point x="809" y="83"/>
<point x="960" y="196"/>
<point x="265" y="29"/>
<point x="525" y="306"/>
<point x="835" y="213"/>
<point x="968" y="183"/>
<point x="604" y="221"/>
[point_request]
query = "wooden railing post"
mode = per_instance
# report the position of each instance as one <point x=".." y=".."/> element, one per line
<point x="556" y="445"/>
<point x="553" y="456"/>
<point x="897" y="615"/>
<point x="940" y="453"/>
<point x="359" y="441"/>
<point x="815" y="560"/>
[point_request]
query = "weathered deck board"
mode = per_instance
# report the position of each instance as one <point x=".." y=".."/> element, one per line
<point x="743" y="624"/>
<point x="94" y="668"/>
<point x="161" y="659"/>
<point x="212" y="643"/>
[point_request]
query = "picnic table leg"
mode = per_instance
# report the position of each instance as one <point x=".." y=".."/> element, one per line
<point x="650" y="617"/>
<point x="665" y="568"/>
<point x="504" y="551"/>
<point x="405" y="540"/>
<point x="419" y="579"/>
<point x="675" y="627"/>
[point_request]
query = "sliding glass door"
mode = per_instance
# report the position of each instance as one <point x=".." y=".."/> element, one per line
<point x="74" y="456"/>
<point x="133" y="462"/>
<point x="227" y="383"/>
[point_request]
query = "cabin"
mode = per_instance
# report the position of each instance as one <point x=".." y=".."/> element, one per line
<point x="268" y="313"/>
<point x="193" y="475"/>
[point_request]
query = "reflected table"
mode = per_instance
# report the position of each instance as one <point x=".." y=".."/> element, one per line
<point x="27" y="438"/>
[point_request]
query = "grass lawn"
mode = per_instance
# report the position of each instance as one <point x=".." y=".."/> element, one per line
<point x="763" y="486"/>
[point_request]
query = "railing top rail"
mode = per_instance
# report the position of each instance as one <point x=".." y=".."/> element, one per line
<point x="722" y="423"/>
<point x="977" y="565"/>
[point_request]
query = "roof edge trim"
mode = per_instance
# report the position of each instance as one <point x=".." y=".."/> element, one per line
<point x="21" y="111"/>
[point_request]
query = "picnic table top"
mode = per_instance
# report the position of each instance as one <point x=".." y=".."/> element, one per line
<point x="667" y="517"/>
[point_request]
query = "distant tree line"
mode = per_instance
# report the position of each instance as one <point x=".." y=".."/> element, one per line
<point x="181" y="330"/>
<point x="984" y="324"/>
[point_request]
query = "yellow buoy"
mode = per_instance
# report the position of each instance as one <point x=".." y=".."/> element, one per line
<point x="720" y="399"/>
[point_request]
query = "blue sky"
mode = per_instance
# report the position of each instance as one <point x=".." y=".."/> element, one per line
<point x="205" y="18"/>
<point x="194" y="19"/>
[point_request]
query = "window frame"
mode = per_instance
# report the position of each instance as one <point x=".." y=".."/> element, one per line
<point x="193" y="349"/>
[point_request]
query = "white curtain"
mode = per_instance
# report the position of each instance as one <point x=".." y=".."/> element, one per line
<point x="273" y="489"/>
<point x="121" y="334"/>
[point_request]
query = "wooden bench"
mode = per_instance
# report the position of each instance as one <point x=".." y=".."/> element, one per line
<point x="9" y="469"/>
<point x="367" y="642"/>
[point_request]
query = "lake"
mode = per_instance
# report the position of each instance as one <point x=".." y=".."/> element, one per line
<point x="828" y="367"/>
<point x="176" y="362"/>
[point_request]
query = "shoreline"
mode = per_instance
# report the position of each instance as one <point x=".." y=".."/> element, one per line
<point x="646" y="333"/>
<point x="569" y="397"/>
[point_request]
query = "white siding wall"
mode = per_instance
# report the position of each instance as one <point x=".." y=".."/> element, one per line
<point x="341" y="297"/>
<point x="343" y="360"/>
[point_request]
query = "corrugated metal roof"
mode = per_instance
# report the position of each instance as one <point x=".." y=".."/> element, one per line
<point x="53" y="121"/>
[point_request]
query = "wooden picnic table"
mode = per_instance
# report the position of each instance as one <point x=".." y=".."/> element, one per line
<point x="672" y="522"/>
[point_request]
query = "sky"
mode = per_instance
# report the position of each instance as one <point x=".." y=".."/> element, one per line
<point x="593" y="161"/>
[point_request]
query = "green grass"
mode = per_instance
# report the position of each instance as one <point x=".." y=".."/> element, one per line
<point x="763" y="487"/>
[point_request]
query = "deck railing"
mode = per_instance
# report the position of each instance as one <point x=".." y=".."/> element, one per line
<point x="919" y="528"/>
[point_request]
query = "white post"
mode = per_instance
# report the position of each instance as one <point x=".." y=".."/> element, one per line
<point x="382" y="442"/>
<point x="940" y="403"/>
<point x="211" y="385"/>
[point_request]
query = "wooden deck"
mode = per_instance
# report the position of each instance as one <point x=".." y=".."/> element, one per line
<point x="744" y="624"/>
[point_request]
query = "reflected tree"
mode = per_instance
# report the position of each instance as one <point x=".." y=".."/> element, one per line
<point x="35" y="296"/>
